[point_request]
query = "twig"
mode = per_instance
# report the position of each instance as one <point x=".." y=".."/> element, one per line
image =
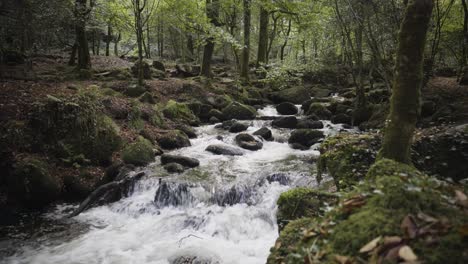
<point x="182" y="239"/>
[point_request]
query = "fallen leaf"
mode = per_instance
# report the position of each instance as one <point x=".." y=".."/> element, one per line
<point x="461" y="198"/>
<point x="342" y="259"/>
<point x="407" y="254"/>
<point x="409" y="227"/>
<point x="354" y="202"/>
<point x="371" y="245"/>
<point x="427" y="218"/>
<point x="309" y="233"/>
<point x="278" y="244"/>
<point x="389" y="242"/>
<point x="392" y="254"/>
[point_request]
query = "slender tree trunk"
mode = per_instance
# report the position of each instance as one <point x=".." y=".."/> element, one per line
<point x="93" y="42"/>
<point x="272" y="36"/>
<point x="190" y="47"/>
<point x="116" y="45"/>
<point x="246" y="51"/>
<point x="263" y="36"/>
<point x="108" y="40"/>
<point x="98" y="44"/>
<point x="138" y="9"/>
<point x="84" y="59"/>
<point x="212" y="11"/>
<point x="360" y="108"/>
<point x="407" y="82"/>
<point x="464" y="58"/>
<point x="283" y="47"/>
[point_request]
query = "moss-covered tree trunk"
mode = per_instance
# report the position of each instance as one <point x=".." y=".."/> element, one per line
<point x="212" y="11"/>
<point x="246" y="51"/>
<point x="407" y="82"/>
<point x="263" y="36"/>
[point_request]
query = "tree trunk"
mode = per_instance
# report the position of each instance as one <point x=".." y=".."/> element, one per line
<point x="283" y="47"/>
<point x="109" y="38"/>
<point x="464" y="58"/>
<point x="98" y="44"/>
<point x="263" y="36"/>
<point x="360" y="113"/>
<point x="116" y="45"/>
<point x="84" y="59"/>
<point x="212" y="11"/>
<point x="72" y="60"/>
<point x="407" y="82"/>
<point x="246" y="51"/>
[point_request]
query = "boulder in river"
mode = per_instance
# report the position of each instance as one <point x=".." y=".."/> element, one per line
<point x="173" y="140"/>
<point x="182" y="160"/>
<point x="305" y="138"/>
<point x="285" y="122"/>
<point x="265" y="133"/>
<point x="219" y="149"/>
<point x="238" y="127"/>
<point x="319" y="110"/>
<point x="287" y="108"/>
<point x="341" y="119"/>
<point x="310" y="124"/>
<point x="247" y="141"/>
<point x="239" y="111"/>
<point x="295" y="95"/>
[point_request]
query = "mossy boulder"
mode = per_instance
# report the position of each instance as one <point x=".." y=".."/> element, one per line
<point x="236" y="110"/>
<point x="32" y="182"/>
<point x="319" y="110"/>
<point x="69" y="127"/>
<point x="135" y="90"/>
<point x="287" y="109"/>
<point x="139" y="153"/>
<point x="173" y="140"/>
<point x="179" y="111"/>
<point x="397" y="206"/>
<point x="305" y="138"/>
<point x="302" y="202"/>
<point x="145" y="67"/>
<point x="295" y="95"/>
<point x="347" y="157"/>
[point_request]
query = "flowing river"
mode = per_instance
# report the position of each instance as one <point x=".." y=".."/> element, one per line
<point x="226" y="211"/>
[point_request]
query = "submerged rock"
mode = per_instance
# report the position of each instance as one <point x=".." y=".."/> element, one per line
<point x="224" y="150"/>
<point x="182" y="160"/>
<point x="287" y="109"/>
<point x="247" y="141"/>
<point x="169" y="194"/>
<point x="174" y="168"/>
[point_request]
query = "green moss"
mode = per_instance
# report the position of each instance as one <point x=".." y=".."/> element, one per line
<point x="178" y="111"/>
<point x="32" y="182"/>
<point x="157" y="119"/>
<point x="135" y="120"/>
<point x="76" y="125"/>
<point x="302" y="202"/>
<point x="391" y="192"/>
<point x="138" y="153"/>
<point x="236" y="110"/>
<point x="347" y="158"/>
<point x="291" y="242"/>
<point x="319" y="110"/>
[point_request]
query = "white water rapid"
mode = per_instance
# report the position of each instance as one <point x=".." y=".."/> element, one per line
<point x="134" y="230"/>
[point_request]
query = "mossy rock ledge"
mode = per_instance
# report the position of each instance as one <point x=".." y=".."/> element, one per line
<point x="397" y="208"/>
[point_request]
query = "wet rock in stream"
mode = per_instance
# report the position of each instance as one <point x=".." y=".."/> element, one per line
<point x="219" y="149"/>
<point x="247" y="141"/>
